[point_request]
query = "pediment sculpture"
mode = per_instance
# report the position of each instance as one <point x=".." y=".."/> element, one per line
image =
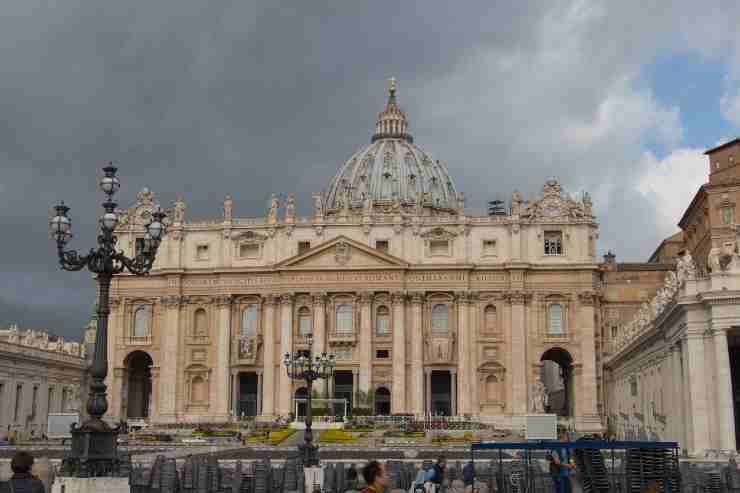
<point x="438" y="233"/>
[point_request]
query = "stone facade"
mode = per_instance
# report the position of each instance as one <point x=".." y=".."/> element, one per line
<point x="428" y="307"/>
<point x="39" y="374"/>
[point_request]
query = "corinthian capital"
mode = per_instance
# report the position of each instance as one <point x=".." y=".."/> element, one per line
<point x="398" y="297"/>
<point x="417" y="298"/>
<point x="366" y="297"/>
<point x="171" y="301"/>
<point x="286" y="298"/>
<point x="587" y="298"/>
<point x="319" y="299"/>
<point x="222" y="300"/>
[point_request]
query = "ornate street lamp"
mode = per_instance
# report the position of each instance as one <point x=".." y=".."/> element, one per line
<point x="95" y="444"/>
<point x="308" y="368"/>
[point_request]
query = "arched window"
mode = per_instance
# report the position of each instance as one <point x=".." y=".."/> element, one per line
<point x="382" y="321"/>
<point x="249" y="321"/>
<point x="142" y="322"/>
<point x="198" y="389"/>
<point x="555" y="319"/>
<point x="344" y="319"/>
<point x="440" y="319"/>
<point x="200" y="325"/>
<point x="304" y="321"/>
<point x="490" y="318"/>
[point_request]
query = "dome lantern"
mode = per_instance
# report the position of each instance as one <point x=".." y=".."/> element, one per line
<point x="392" y="122"/>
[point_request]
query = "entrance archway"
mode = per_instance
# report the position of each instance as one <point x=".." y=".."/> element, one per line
<point x="343" y="389"/>
<point x="441" y="393"/>
<point x="247" y="403"/>
<point x="139" y="383"/>
<point x="300" y="398"/>
<point x="557" y="376"/>
<point x="382" y="401"/>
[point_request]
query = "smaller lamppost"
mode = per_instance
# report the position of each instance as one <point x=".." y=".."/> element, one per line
<point x="305" y="367"/>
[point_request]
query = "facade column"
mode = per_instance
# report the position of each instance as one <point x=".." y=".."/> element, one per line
<point x="398" y="402"/>
<point x="319" y="336"/>
<point x="586" y="392"/>
<point x="220" y="381"/>
<point x="259" y="393"/>
<point x="429" y="391"/>
<point x="286" y="346"/>
<point x="453" y="390"/>
<point x="154" y="396"/>
<point x="417" y="355"/>
<point x="472" y="366"/>
<point x="518" y="354"/>
<point x="675" y="399"/>
<point x="463" y="353"/>
<point x="355" y="374"/>
<point x="696" y="389"/>
<point x="235" y="390"/>
<point x="268" y="357"/>
<point x="115" y="393"/>
<point x="366" y="342"/>
<point x="723" y="393"/>
<point x="169" y="358"/>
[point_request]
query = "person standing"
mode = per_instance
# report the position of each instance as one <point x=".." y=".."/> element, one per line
<point x="22" y="480"/>
<point x="560" y="468"/>
<point x="375" y="477"/>
<point x="468" y="474"/>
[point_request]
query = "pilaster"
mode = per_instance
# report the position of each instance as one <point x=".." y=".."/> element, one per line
<point x="268" y="357"/>
<point x="220" y="384"/>
<point x="518" y="353"/>
<point x="463" y="348"/>
<point x="696" y="387"/>
<point x="169" y="358"/>
<point x="286" y="346"/>
<point x="417" y="354"/>
<point x="723" y="392"/>
<point x="587" y="389"/>
<point x="366" y="343"/>
<point x="398" y="401"/>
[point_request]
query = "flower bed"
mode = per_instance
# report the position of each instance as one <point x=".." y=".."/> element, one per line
<point x="273" y="437"/>
<point x="338" y="437"/>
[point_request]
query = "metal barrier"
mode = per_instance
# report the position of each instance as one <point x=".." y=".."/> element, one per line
<point x="600" y="466"/>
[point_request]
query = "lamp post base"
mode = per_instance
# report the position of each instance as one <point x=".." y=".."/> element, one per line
<point x="309" y="454"/>
<point x="95" y="454"/>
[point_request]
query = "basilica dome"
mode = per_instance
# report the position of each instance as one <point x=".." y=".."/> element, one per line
<point x="392" y="172"/>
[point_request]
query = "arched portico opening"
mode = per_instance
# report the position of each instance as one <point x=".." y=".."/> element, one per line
<point x="139" y="385"/>
<point x="300" y="402"/>
<point x="382" y="401"/>
<point x="557" y="376"/>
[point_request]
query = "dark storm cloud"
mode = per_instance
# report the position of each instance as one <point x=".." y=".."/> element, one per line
<point x="208" y="98"/>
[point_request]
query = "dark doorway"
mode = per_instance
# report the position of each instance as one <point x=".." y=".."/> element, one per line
<point x="300" y="398"/>
<point x="382" y="401"/>
<point x="557" y="376"/>
<point x="441" y="393"/>
<point x="343" y="390"/>
<point x="139" y="381"/>
<point x="247" y="404"/>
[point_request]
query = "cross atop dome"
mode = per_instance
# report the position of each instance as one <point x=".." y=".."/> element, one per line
<point x="392" y="122"/>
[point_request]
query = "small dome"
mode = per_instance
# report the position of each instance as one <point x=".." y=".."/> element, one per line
<point x="392" y="170"/>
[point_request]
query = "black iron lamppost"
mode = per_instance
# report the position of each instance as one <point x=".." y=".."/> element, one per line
<point x="94" y="444"/>
<point x="308" y="368"/>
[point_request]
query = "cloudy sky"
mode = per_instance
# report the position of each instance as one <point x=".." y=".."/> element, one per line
<point x="204" y="98"/>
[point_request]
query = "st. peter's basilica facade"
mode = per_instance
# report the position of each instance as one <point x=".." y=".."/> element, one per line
<point x="426" y="307"/>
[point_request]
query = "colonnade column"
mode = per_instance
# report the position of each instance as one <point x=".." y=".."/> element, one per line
<point x="675" y="398"/>
<point x="169" y="355"/>
<point x="366" y="343"/>
<point x="587" y="384"/>
<point x="268" y="357"/>
<point x="725" y="409"/>
<point x="695" y="384"/>
<point x="463" y="357"/>
<point x="398" y="402"/>
<point x="417" y="355"/>
<point x="518" y="354"/>
<point x="235" y="393"/>
<point x="319" y="334"/>
<point x="286" y="346"/>
<point x="220" y="382"/>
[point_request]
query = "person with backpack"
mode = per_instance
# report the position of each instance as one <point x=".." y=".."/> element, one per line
<point x="22" y="480"/>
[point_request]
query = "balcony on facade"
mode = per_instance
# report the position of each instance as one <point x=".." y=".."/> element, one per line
<point x="135" y="341"/>
<point x="198" y="340"/>
<point x="340" y="338"/>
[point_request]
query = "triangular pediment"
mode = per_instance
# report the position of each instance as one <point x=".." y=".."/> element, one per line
<point x="342" y="253"/>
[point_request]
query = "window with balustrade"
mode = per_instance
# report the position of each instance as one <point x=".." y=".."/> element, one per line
<point x="556" y="324"/>
<point x="345" y="315"/>
<point x="200" y="323"/>
<point x="142" y="322"/>
<point x="440" y="319"/>
<point x="249" y="322"/>
<point x="305" y="324"/>
<point x="382" y="321"/>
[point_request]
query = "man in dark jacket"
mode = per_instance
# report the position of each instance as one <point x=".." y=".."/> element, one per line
<point x="468" y="474"/>
<point x="22" y="481"/>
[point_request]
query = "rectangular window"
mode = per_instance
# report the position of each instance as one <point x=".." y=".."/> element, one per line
<point x="303" y="246"/>
<point x="382" y="354"/>
<point x="382" y="245"/>
<point x="50" y="402"/>
<point x="439" y="247"/>
<point x="489" y="248"/>
<point x="553" y="242"/>
<point x="18" y="401"/>
<point x="249" y="250"/>
<point x="201" y="252"/>
<point x="633" y="388"/>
